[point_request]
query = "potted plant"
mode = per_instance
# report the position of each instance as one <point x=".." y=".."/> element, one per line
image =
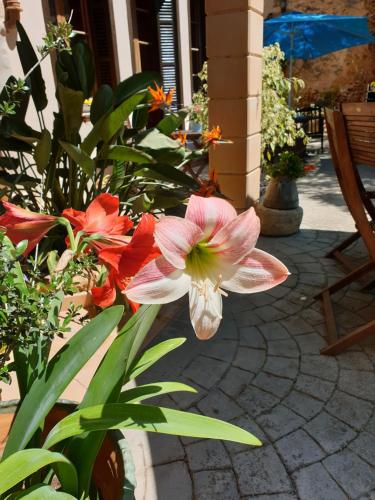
<point x="203" y="261"/>
<point x="279" y="209"/>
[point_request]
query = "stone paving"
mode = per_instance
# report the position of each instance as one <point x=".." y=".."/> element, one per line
<point x="315" y="415"/>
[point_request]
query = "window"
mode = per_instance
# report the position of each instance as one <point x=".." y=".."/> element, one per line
<point x="198" y="39"/>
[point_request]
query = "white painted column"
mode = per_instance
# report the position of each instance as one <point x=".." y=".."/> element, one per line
<point x="184" y="46"/>
<point x="120" y="11"/>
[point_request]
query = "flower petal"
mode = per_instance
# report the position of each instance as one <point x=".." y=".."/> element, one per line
<point x="210" y="214"/>
<point x="238" y="237"/>
<point x="15" y="214"/>
<point x="104" y="296"/>
<point x="257" y="272"/>
<point x="75" y="217"/>
<point x="158" y="282"/>
<point x="102" y="216"/>
<point x="205" y="308"/>
<point x="176" y="237"/>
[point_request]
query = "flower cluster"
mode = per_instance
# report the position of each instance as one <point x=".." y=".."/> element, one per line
<point x="211" y="250"/>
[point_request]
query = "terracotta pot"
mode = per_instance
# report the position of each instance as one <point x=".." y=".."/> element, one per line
<point x="281" y="194"/>
<point x="113" y="473"/>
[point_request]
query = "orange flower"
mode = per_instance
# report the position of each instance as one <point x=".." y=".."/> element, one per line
<point x="210" y="186"/>
<point x="211" y="136"/>
<point x="180" y="136"/>
<point x="309" y="168"/>
<point x="159" y="98"/>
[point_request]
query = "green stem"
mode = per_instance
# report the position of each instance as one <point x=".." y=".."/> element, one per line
<point x="73" y="243"/>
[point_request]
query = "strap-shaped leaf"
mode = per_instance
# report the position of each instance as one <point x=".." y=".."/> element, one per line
<point x="42" y="151"/>
<point x="142" y="392"/>
<point x="80" y="157"/>
<point x="23" y="464"/>
<point x="40" y="492"/>
<point x="115" y="120"/>
<point x="166" y="173"/>
<point x="146" y="418"/>
<point x="171" y="122"/>
<point x="61" y="370"/>
<point x="152" y="355"/>
<point x="101" y="103"/>
<point x="134" y="84"/>
<point x="125" y="153"/>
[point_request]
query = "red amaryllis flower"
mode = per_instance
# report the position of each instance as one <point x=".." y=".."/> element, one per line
<point x="101" y="218"/>
<point x="159" y="98"/>
<point x="125" y="261"/>
<point x="21" y="224"/>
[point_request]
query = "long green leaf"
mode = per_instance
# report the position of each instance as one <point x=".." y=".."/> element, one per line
<point x="154" y="139"/>
<point x="152" y="355"/>
<point x="112" y="370"/>
<point x="115" y="120"/>
<point x="171" y="122"/>
<point x="80" y="157"/>
<point x="61" y="370"/>
<point x="42" y="151"/>
<point x="23" y="464"/>
<point x="166" y="173"/>
<point x="28" y="59"/>
<point x="125" y="153"/>
<point x="40" y="492"/>
<point x="71" y="104"/>
<point x="101" y="103"/>
<point x="146" y="418"/>
<point x="142" y="392"/>
<point x="134" y="84"/>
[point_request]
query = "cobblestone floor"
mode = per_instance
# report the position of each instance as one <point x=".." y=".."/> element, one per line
<point x="263" y="371"/>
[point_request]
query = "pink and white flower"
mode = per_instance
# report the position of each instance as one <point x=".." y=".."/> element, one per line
<point x="209" y="251"/>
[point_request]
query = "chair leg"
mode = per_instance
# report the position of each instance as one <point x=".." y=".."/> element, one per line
<point x="344" y="244"/>
<point x="350" y="339"/>
<point x="346" y="280"/>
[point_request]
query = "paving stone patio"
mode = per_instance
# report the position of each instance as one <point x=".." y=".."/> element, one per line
<point x="263" y="371"/>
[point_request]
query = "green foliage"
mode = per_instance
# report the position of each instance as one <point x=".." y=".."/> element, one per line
<point x="278" y="126"/>
<point x="287" y="165"/>
<point x="198" y="112"/>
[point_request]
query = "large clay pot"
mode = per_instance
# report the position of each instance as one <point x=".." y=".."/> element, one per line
<point x="281" y="194"/>
<point x="113" y="472"/>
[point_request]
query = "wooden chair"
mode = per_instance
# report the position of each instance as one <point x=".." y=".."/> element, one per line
<point x="359" y="121"/>
<point x="351" y="187"/>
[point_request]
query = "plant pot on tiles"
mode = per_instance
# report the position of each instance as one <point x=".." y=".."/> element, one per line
<point x="279" y="210"/>
<point x="113" y="473"/>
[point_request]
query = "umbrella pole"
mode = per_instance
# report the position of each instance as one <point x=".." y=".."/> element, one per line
<point x="291" y="67"/>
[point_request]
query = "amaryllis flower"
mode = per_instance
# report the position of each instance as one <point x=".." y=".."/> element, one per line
<point x="212" y="249"/>
<point x="21" y="224"/>
<point x="101" y="218"/>
<point x="125" y="261"/>
<point x="159" y="98"/>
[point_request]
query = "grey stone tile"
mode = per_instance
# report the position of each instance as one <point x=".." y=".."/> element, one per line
<point x="282" y="496"/>
<point x="274" y="331"/>
<point x="314" y="386"/>
<point x="248" y="318"/>
<point x="209" y="485"/>
<point x="312" y="317"/>
<point x="256" y="401"/>
<point x="249" y="359"/>
<point x="353" y="411"/>
<point x="310" y="343"/>
<point x="261" y="299"/>
<point x="312" y="279"/>
<point x="330" y="433"/>
<point x="354" y="361"/>
<point x="184" y="400"/>
<point x="358" y="383"/>
<point x="277" y="386"/>
<point x="314" y="483"/>
<point x="278" y="291"/>
<point x="303" y="404"/>
<point x="269" y="313"/>
<point x="352" y="474"/>
<point x="205" y="371"/>
<point x="370" y="426"/>
<point x="298" y="450"/>
<point x="217" y="404"/>
<point x="173" y="481"/>
<point x="364" y="446"/>
<point x="165" y="449"/>
<point x="235" y="381"/>
<point x="250" y="337"/>
<point x="227" y="329"/>
<point x="249" y="424"/>
<point x="207" y="454"/>
<point x="268" y="474"/>
<point x="224" y="350"/>
<point x="286" y="348"/>
<point x="287" y="306"/>
<point x="297" y="325"/>
<point x="280" y="421"/>
<point x="284" y="367"/>
<point x="325" y="367"/>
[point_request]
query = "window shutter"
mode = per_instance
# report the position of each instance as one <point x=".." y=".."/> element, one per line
<point x="167" y="22"/>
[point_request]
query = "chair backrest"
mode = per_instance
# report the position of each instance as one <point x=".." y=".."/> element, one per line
<point x="348" y="177"/>
<point x="360" y="126"/>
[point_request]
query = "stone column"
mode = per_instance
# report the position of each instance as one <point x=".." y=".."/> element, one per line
<point x="184" y="46"/>
<point x="234" y="48"/>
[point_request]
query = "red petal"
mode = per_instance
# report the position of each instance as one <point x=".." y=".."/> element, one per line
<point x="104" y="296"/>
